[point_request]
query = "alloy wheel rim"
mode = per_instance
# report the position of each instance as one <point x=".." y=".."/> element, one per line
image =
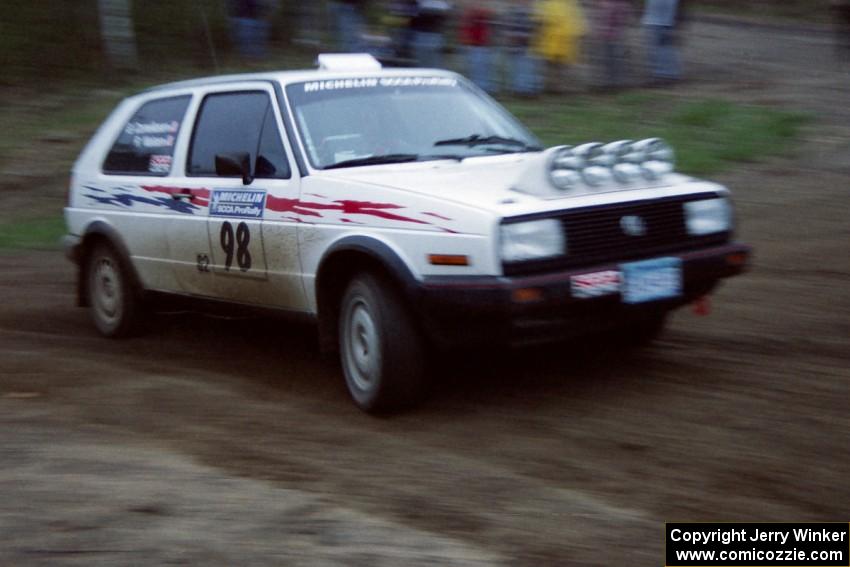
<point x="361" y="346"/>
<point x="107" y="290"/>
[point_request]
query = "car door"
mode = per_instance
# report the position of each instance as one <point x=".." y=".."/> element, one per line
<point x="250" y="260"/>
<point x="131" y="192"/>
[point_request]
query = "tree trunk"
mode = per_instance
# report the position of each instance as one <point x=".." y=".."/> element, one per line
<point x="116" y="29"/>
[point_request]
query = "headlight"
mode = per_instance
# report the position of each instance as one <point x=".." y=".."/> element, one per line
<point x="532" y="240"/>
<point x="708" y="216"/>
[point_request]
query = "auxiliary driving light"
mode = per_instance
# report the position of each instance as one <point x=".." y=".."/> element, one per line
<point x="658" y="158"/>
<point x="564" y="168"/>
<point x="623" y="161"/>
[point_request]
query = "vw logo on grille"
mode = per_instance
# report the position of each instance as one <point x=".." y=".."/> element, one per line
<point x="633" y="225"/>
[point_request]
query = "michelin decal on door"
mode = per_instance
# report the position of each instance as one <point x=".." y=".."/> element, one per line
<point x="247" y="204"/>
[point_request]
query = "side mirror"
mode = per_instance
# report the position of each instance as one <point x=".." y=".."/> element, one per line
<point x="233" y="165"/>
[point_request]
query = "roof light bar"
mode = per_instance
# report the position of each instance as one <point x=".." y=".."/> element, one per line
<point x="348" y="62"/>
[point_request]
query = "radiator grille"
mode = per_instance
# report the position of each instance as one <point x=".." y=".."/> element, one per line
<point x="599" y="234"/>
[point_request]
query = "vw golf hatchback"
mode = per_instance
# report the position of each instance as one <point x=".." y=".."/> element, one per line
<point x="402" y="210"/>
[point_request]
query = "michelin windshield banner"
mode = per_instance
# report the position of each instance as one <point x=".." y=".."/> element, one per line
<point x="758" y="545"/>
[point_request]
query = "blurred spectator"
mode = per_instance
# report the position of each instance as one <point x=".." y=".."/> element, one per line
<point x="561" y="27"/>
<point x="349" y="19"/>
<point x="661" y="19"/>
<point x="841" y="13"/>
<point x="311" y="25"/>
<point x="401" y="13"/>
<point x="426" y="24"/>
<point x="476" y="34"/>
<point x="612" y="18"/>
<point x="249" y="27"/>
<point x="520" y="27"/>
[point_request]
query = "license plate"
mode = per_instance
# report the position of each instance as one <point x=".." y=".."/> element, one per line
<point x="651" y="280"/>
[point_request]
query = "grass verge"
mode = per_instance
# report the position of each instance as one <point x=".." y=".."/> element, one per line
<point x="32" y="234"/>
<point x="708" y="135"/>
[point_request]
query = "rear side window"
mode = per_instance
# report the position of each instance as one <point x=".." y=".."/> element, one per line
<point x="146" y="143"/>
<point x="238" y="122"/>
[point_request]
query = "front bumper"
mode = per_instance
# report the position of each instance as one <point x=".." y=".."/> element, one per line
<point x="470" y="311"/>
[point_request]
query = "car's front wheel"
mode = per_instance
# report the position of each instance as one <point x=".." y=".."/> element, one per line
<point x="381" y="350"/>
<point x="114" y="301"/>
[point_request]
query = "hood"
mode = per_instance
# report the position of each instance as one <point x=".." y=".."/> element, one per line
<point x="511" y="183"/>
<point x="481" y="182"/>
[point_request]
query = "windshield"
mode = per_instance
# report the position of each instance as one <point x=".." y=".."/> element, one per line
<point x="393" y="119"/>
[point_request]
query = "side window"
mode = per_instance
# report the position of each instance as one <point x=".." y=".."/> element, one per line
<point x="238" y="122"/>
<point x="146" y="144"/>
<point x="271" y="157"/>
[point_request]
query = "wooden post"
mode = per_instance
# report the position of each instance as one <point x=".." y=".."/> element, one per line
<point x="116" y="29"/>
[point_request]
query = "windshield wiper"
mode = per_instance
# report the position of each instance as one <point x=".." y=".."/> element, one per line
<point x="374" y="160"/>
<point x="479" y="140"/>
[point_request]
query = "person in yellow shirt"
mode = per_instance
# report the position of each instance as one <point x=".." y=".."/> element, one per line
<point x="558" y="40"/>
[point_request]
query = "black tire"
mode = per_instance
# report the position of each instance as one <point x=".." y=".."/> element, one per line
<point x="113" y="296"/>
<point x="381" y="351"/>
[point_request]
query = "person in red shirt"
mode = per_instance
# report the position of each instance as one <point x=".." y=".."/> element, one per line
<point x="476" y="33"/>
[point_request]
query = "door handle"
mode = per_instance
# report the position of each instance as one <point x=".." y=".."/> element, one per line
<point x="182" y="196"/>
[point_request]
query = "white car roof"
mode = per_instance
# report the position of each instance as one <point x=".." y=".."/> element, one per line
<point x="287" y="77"/>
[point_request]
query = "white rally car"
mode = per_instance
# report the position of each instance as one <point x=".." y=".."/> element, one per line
<point x="401" y="209"/>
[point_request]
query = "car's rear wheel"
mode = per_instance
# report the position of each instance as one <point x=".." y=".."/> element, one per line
<point x="381" y="351"/>
<point x="114" y="301"/>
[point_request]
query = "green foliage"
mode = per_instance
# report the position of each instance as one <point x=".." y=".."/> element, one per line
<point x="48" y="38"/>
<point x="42" y="234"/>
<point x="708" y="135"/>
<point x="175" y="31"/>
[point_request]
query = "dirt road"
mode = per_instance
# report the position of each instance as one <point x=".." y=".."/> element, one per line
<point x="222" y="442"/>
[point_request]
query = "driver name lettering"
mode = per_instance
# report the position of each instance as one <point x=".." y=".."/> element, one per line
<point x="152" y="127"/>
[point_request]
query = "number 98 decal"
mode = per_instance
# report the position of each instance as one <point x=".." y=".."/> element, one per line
<point x="240" y="248"/>
<point x="237" y="248"/>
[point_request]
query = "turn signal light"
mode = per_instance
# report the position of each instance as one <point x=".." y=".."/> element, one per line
<point x="448" y="260"/>
<point x="527" y="295"/>
<point x="737" y="260"/>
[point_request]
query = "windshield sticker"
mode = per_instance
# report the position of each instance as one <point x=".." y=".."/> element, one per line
<point x="372" y="83"/>
<point x="237" y="203"/>
<point x="159" y="164"/>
